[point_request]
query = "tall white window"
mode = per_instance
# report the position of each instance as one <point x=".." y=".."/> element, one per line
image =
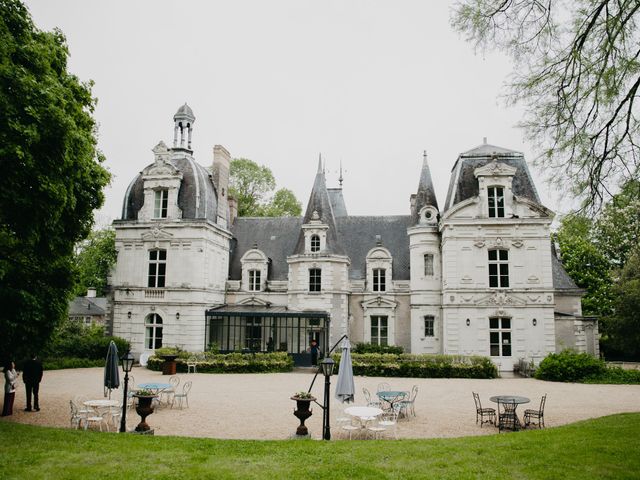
<point x="498" y="268"/>
<point x="496" y="201"/>
<point x="429" y="323"/>
<point x="315" y="243"/>
<point x="161" y="202"/>
<point x="254" y="280"/>
<point x="428" y="265"/>
<point x="315" y="280"/>
<point x="153" y="331"/>
<point x="157" y="268"/>
<point x="379" y="330"/>
<point x="379" y="280"/>
<point x="500" y="336"/>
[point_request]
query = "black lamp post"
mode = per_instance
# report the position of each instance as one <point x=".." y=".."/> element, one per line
<point x="326" y="365"/>
<point x="127" y="365"/>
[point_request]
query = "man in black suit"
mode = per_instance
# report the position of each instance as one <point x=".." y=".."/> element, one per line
<point x="32" y="376"/>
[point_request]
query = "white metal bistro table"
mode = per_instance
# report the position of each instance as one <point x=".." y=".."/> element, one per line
<point x="102" y="403"/>
<point x="363" y="413"/>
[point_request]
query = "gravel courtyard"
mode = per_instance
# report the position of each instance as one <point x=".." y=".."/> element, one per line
<point x="257" y="406"/>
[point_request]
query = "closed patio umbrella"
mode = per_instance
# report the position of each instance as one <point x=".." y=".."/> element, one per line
<point x="111" y="373"/>
<point x="345" y="389"/>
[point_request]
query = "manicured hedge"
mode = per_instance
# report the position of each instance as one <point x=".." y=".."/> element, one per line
<point x="375" y="348"/>
<point x="230" y="362"/>
<point x="421" y="366"/>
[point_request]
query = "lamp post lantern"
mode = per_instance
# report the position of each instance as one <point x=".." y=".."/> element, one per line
<point x="326" y="365"/>
<point x="127" y="365"/>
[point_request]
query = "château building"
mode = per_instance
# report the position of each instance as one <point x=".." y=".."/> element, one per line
<point x="475" y="276"/>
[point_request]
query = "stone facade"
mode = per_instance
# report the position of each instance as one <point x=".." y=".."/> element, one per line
<point x="479" y="277"/>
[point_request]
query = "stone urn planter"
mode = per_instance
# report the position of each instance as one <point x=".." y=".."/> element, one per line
<point x="302" y="412"/>
<point x="169" y="365"/>
<point x="144" y="408"/>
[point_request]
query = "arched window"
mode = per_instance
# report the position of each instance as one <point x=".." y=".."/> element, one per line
<point x="315" y="243"/>
<point x="153" y="331"/>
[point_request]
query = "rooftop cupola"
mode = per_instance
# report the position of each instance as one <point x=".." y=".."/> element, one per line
<point x="183" y="124"/>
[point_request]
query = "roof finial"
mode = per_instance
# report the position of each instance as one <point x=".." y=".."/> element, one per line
<point x="340" y="178"/>
<point x="320" y="163"/>
<point x="424" y="156"/>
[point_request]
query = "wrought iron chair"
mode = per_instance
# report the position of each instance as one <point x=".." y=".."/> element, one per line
<point x="507" y="418"/>
<point x="192" y="363"/>
<point x="77" y="418"/>
<point x="388" y="422"/>
<point x="530" y="414"/>
<point x="483" y="412"/>
<point x="409" y="405"/>
<point x="168" y="394"/>
<point x="186" y="388"/>
<point x="383" y="387"/>
<point x="371" y="403"/>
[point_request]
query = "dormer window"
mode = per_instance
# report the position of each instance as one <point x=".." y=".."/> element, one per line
<point x="254" y="280"/>
<point x="161" y="203"/>
<point x="495" y="197"/>
<point x="379" y="280"/>
<point x="315" y="243"/>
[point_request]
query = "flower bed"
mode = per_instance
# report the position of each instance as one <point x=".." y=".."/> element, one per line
<point x="229" y="362"/>
<point x="421" y="366"/>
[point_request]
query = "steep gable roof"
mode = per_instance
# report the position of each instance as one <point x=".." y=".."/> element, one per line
<point x="426" y="194"/>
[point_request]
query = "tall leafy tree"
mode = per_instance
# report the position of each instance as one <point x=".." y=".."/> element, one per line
<point x="586" y="264"/>
<point x="94" y="259"/>
<point x="577" y="73"/>
<point x="252" y="185"/>
<point x="52" y="178"/>
<point x="624" y="324"/>
<point x="617" y="230"/>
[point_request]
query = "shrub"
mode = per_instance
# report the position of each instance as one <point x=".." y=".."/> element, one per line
<point x="74" y="340"/>
<point x="69" y="362"/>
<point x="375" y="348"/>
<point x="421" y="366"/>
<point x="570" y="366"/>
<point x="230" y="362"/>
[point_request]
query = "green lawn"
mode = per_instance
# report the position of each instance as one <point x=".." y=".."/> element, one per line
<point x="603" y="448"/>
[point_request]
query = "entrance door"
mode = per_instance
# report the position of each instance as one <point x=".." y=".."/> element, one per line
<point x="500" y="342"/>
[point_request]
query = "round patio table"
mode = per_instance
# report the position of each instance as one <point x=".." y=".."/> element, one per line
<point x="514" y="400"/>
<point x="363" y="413"/>
<point x="392" y="396"/>
<point x="102" y="403"/>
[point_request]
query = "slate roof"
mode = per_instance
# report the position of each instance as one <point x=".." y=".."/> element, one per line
<point x="561" y="279"/>
<point x="337" y="202"/>
<point x="463" y="183"/>
<point x="276" y="237"/>
<point x="197" y="197"/>
<point x="87" y="306"/>
<point x="358" y="235"/>
<point x="426" y="194"/>
<point x="319" y="202"/>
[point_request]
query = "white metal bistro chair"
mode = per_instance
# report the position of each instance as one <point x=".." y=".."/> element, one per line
<point x="192" y="364"/>
<point x="186" y="388"/>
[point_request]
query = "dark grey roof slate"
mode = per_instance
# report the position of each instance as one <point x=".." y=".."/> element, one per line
<point x="337" y="202"/>
<point x="87" y="306"/>
<point x="357" y="235"/>
<point x="196" y="180"/>
<point x="464" y="185"/>
<point x="561" y="279"/>
<point x="426" y="194"/>
<point x="276" y="237"/>
<point x="319" y="202"/>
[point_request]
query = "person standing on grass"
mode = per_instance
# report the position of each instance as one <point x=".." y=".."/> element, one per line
<point x="10" y="378"/>
<point x="32" y="376"/>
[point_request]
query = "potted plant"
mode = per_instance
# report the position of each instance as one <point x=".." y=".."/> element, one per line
<point x="302" y="412"/>
<point x="144" y="408"/>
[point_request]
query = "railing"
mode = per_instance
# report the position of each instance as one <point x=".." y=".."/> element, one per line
<point x="153" y="293"/>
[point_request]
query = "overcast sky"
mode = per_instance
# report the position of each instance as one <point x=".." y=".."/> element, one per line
<point x="368" y="83"/>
